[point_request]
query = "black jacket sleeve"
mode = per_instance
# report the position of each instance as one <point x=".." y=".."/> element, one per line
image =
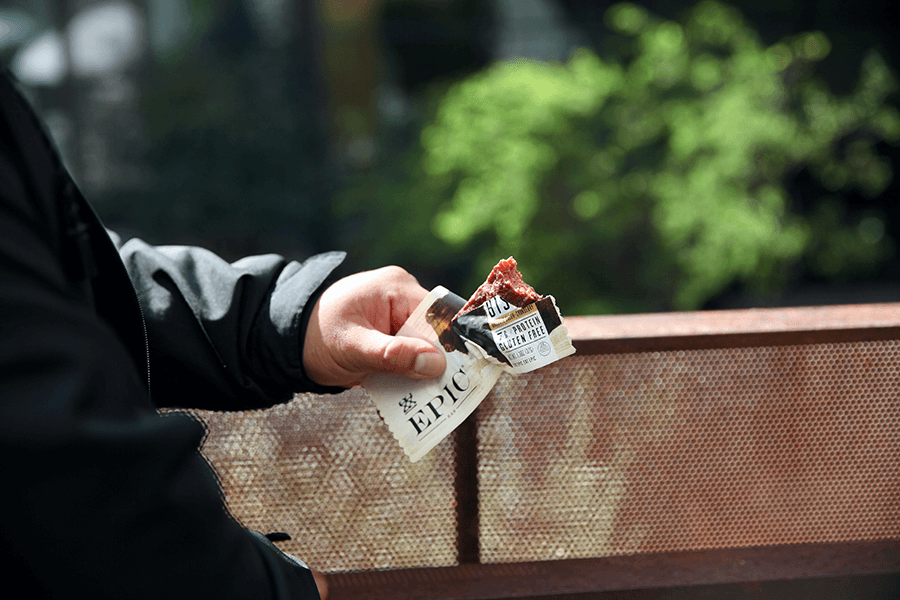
<point x="102" y="497"/>
<point x="225" y="336"/>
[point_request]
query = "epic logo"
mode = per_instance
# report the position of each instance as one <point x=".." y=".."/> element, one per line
<point x="422" y="419"/>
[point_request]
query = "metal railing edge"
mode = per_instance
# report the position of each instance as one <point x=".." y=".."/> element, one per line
<point x="615" y="334"/>
<point x="619" y="573"/>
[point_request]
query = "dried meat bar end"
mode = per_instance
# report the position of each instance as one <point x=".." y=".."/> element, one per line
<point x="506" y="282"/>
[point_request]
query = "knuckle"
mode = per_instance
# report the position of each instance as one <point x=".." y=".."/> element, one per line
<point x="396" y="274"/>
<point x="397" y="356"/>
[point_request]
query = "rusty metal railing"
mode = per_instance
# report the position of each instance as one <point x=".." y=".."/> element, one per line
<point x="672" y="449"/>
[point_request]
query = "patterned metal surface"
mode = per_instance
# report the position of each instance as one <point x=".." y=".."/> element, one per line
<point x="687" y="450"/>
<point x="598" y="455"/>
<point x="326" y="470"/>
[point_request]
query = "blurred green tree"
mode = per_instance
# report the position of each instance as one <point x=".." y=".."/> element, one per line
<point x="651" y="180"/>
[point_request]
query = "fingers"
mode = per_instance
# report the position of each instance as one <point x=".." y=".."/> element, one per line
<point x="410" y="357"/>
<point x="352" y="326"/>
<point x="400" y="294"/>
<point x="375" y="352"/>
<point x="429" y="364"/>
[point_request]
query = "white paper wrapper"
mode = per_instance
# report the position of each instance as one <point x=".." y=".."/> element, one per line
<point x="479" y="346"/>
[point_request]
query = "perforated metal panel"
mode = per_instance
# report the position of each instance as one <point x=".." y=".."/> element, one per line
<point x="598" y="455"/>
<point x="682" y="450"/>
<point x="326" y="470"/>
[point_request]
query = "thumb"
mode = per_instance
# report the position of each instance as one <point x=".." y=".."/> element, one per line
<point x="403" y="356"/>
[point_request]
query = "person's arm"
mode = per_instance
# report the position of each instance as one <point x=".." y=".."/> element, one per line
<point x="251" y="333"/>
<point x="103" y="498"/>
<point x="224" y="336"/>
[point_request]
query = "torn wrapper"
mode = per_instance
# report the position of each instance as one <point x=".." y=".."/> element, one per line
<point x="479" y="345"/>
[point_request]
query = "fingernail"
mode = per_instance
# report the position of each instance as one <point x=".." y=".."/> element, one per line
<point x="428" y="364"/>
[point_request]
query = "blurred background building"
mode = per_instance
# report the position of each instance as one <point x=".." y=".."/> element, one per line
<point x="651" y="156"/>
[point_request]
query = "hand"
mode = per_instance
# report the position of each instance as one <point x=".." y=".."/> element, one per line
<point x="352" y="331"/>
<point x="321" y="584"/>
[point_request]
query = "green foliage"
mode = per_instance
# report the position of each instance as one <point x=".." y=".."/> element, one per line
<point x="654" y="179"/>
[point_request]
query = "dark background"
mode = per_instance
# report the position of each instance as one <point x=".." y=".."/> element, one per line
<point x="240" y="132"/>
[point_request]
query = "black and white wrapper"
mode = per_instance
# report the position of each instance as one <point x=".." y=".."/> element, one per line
<point x="479" y="345"/>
